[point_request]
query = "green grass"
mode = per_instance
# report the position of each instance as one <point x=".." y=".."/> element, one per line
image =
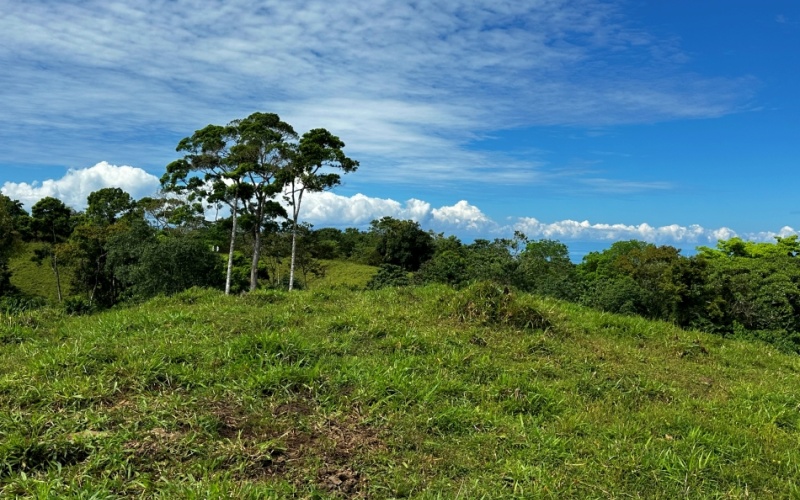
<point x="339" y="273"/>
<point x="37" y="280"/>
<point x="413" y="392"/>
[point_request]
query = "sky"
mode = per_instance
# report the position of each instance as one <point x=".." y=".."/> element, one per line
<point x="586" y="121"/>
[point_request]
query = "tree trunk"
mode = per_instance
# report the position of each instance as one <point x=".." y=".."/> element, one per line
<point x="295" y="216"/>
<point x="230" y="251"/>
<point x="294" y="251"/>
<point x="54" y="260"/>
<point x="256" y="258"/>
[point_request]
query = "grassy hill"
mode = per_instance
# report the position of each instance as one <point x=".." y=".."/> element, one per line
<point x="420" y="392"/>
<point x="37" y="280"/>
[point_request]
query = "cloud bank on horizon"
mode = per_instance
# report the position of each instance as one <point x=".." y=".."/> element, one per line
<point x="328" y="209"/>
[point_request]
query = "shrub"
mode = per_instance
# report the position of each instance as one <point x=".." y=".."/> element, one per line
<point x="389" y="275"/>
<point x="487" y="303"/>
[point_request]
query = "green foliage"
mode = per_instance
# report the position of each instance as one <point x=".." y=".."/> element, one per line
<point x="448" y="267"/>
<point x="11" y="214"/>
<point x="18" y="303"/>
<point x="52" y="224"/>
<point x="107" y="205"/>
<point x="78" y="306"/>
<point x="545" y="269"/>
<point x="633" y="277"/>
<point x="737" y="247"/>
<point x="389" y="275"/>
<point x="402" y="243"/>
<point x="491" y="261"/>
<point x="161" y="266"/>
<point x="486" y="303"/>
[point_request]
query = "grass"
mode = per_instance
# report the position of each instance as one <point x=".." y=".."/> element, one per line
<point x="37" y="280"/>
<point x="395" y="393"/>
<point x="339" y="273"/>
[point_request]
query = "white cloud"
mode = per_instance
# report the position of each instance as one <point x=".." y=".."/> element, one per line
<point x="586" y="231"/>
<point x="330" y="209"/>
<point x="462" y="215"/>
<point x="466" y="220"/>
<point x="770" y="235"/>
<point x="77" y="184"/>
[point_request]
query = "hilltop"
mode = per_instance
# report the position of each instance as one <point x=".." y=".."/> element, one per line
<point x="401" y="392"/>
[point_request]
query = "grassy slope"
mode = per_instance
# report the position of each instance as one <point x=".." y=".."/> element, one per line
<point x="37" y="280"/>
<point x="31" y="278"/>
<point x="387" y="394"/>
<point x="341" y="273"/>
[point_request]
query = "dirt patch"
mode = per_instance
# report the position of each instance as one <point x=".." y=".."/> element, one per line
<point x="337" y="444"/>
<point x="156" y="447"/>
<point x="344" y="481"/>
<point x="296" y="443"/>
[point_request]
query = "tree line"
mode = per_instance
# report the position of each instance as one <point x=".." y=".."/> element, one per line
<point x="121" y="249"/>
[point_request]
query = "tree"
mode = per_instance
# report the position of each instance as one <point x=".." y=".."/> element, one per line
<point x="240" y="163"/>
<point x="635" y="277"/>
<point x="146" y="265"/>
<point x="403" y="243"/>
<point x="448" y="264"/>
<point x="262" y="152"/>
<point x="317" y="153"/>
<point x="51" y="223"/>
<point x="491" y="261"/>
<point x="208" y="173"/>
<point x="545" y="269"/>
<point x="8" y="238"/>
<point x="107" y="205"/>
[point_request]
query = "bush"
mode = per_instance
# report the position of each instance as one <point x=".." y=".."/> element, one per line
<point x="488" y="304"/>
<point x="77" y="306"/>
<point x="389" y="275"/>
<point x="15" y="304"/>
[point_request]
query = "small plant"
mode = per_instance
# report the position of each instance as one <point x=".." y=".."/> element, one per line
<point x="77" y="306"/>
<point x="487" y="303"/>
<point x="16" y="304"/>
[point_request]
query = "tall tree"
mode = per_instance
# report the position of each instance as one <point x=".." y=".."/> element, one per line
<point x="317" y="153"/>
<point x="8" y="237"/>
<point x="261" y="153"/>
<point x="239" y="165"/>
<point x="208" y="173"/>
<point x="109" y="212"/>
<point x="402" y="243"/>
<point x="51" y="223"/>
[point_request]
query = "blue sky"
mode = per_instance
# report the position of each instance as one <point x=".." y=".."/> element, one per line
<point x="585" y="121"/>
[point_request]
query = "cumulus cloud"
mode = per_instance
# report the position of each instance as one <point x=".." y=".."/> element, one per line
<point x="571" y="230"/>
<point x="462" y="215"/>
<point x="359" y="210"/>
<point x="77" y="184"/>
<point x="467" y="220"/>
